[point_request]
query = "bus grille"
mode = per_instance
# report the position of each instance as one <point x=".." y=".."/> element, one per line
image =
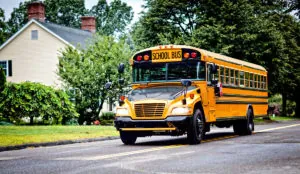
<point x="149" y="109"/>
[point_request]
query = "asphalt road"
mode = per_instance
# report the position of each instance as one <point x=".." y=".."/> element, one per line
<point x="274" y="148"/>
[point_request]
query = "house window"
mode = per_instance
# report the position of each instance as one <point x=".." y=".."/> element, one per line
<point x="34" y="35"/>
<point x="6" y="65"/>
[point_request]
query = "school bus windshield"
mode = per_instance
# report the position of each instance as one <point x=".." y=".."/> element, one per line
<point x="148" y="72"/>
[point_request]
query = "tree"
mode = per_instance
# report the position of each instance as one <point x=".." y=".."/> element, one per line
<point x="18" y="17"/>
<point x="65" y="12"/>
<point x="3" y="27"/>
<point x="31" y="100"/>
<point x="87" y="71"/>
<point x="261" y="32"/>
<point x="113" y="17"/>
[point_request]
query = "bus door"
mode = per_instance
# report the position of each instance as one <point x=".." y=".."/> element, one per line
<point x="211" y="94"/>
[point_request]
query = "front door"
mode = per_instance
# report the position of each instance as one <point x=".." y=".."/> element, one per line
<point x="211" y="94"/>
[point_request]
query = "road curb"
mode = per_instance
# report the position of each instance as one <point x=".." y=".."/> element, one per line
<point x="24" y="146"/>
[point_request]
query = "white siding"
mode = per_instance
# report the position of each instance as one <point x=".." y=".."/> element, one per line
<point x="33" y="60"/>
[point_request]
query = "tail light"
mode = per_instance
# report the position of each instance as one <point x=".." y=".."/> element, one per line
<point x="194" y="55"/>
<point x="186" y="55"/>
<point x="139" y="58"/>
<point x="146" y="57"/>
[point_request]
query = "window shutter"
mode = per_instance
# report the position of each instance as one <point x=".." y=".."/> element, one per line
<point x="9" y="68"/>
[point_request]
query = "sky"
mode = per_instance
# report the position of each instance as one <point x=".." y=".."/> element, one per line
<point x="8" y="6"/>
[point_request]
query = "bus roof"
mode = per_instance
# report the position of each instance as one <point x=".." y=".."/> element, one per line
<point x="209" y="54"/>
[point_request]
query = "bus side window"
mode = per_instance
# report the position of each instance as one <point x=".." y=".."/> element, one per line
<point x="227" y="75"/>
<point x="209" y="73"/>
<point x="251" y="80"/>
<point x="242" y="75"/>
<point x="237" y="79"/>
<point x="265" y="82"/>
<point x="231" y="76"/>
<point x="216" y="76"/>
<point x="222" y="74"/>
<point x="246" y="79"/>
<point x="255" y="81"/>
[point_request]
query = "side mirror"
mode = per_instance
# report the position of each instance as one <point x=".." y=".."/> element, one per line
<point x="107" y="85"/>
<point x="121" y="68"/>
<point x="214" y="68"/>
<point x="214" y="82"/>
<point x="186" y="82"/>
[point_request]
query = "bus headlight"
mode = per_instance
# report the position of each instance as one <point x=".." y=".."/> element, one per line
<point x="182" y="110"/>
<point x="122" y="111"/>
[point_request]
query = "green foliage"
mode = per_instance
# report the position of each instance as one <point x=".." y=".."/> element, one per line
<point x="107" y="118"/>
<point x="18" y="17"/>
<point x="3" y="27"/>
<point x="32" y="100"/>
<point x="87" y="71"/>
<point x="65" y="12"/>
<point x="113" y="17"/>
<point x="275" y="99"/>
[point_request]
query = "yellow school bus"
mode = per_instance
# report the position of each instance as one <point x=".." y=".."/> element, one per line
<point x="179" y="90"/>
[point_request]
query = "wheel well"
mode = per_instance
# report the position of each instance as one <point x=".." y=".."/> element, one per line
<point x="251" y="107"/>
<point x="199" y="106"/>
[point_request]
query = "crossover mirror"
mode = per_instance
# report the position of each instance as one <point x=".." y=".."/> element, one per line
<point x="186" y="82"/>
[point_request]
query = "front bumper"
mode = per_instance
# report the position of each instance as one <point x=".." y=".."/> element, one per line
<point x="171" y="123"/>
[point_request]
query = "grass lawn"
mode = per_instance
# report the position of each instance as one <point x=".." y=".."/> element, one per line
<point x="276" y="118"/>
<point x="17" y="135"/>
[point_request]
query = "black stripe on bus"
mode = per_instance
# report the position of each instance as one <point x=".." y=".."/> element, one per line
<point x="231" y="118"/>
<point x="239" y="102"/>
<point x="244" y="96"/>
<point x="243" y="88"/>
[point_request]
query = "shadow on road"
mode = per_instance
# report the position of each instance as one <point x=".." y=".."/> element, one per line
<point x="183" y="140"/>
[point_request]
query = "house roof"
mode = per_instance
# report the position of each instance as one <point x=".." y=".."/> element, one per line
<point x="73" y="36"/>
<point x="70" y="36"/>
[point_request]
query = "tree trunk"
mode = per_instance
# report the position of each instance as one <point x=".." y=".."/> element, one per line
<point x="284" y="98"/>
<point x="100" y="106"/>
<point x="31" y="120"/>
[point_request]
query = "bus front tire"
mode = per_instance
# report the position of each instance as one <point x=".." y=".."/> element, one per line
<point x="128" y="138"/>
<point x="244" y="127"/>
<point x="195" y="130"/>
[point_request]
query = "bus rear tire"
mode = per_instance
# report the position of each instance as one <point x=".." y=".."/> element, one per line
<point x="128" y="138"/>
<point x="244" y="127"/>
<point x="195" y="130"/>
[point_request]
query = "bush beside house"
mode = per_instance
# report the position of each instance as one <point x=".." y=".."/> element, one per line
<point x="34" y="100"/>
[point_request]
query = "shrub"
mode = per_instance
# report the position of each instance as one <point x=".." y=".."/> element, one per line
<point x="107" y="118"/>
<point x="34" y="100"/>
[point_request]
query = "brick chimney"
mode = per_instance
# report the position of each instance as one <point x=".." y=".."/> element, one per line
<point x="36" y="10"/>
<point x="88" y="23"/>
